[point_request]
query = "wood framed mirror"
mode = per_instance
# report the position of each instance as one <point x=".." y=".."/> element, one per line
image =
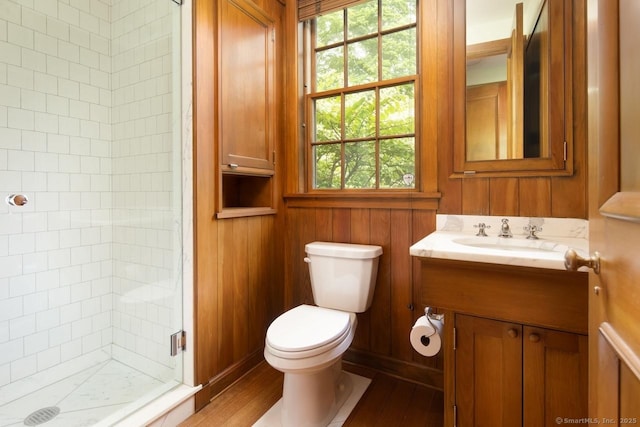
<point x="515" y="121"/>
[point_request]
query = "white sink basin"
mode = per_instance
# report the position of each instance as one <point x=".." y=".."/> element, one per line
<point x="455" y="239"/>
<point x="512" y="244"/>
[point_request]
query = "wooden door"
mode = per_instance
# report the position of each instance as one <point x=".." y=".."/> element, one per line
<point x="555" y="376"/>
<point x="247" y="86"/>
<point x="614" y="212"/>
<point x="487" y="121"/>
<point x="488" y="364"/>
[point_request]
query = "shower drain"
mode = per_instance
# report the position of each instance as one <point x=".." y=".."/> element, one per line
<point x="41" y="416"/>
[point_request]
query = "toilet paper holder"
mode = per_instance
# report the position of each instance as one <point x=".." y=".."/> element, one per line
<point x="426" y="334"/>
<point x="428" y="311"/>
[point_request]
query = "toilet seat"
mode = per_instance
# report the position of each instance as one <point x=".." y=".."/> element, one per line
<point x="306" y="331"/>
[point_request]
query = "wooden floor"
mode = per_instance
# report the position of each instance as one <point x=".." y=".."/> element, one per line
<point x="388" y="401"/>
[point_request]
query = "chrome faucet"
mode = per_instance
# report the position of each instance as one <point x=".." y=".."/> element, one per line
<point x="505" y="231"/>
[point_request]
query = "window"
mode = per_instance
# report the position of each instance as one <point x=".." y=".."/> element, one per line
<point x="362" y="100"/>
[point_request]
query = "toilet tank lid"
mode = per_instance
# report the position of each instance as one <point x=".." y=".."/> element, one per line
<point x="343" y="250"/>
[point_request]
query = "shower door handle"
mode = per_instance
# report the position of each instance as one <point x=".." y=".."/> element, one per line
<point x="17" y="200"/>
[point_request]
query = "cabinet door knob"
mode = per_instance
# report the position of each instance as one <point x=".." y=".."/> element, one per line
<point x="534" y="337"/>
<point x="512" y="332"/>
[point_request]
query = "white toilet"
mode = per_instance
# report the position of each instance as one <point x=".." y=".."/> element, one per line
<point x="307" y="342"/>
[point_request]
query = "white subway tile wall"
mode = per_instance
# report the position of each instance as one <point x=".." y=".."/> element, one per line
<point x="86" y="132"/>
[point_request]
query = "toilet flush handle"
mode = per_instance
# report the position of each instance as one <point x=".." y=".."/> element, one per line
<point x="307" y="260"/>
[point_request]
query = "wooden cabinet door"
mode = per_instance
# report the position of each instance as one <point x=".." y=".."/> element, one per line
<point x="488" y="365"/>
<point x="555" y="376"/>
<point x="246" y="86"/>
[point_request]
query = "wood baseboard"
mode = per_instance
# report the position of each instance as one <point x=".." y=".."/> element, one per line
<point x="224" y="379"/>
<point x="429" y="377"/>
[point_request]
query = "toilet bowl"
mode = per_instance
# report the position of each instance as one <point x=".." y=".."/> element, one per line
<point x="308" y="338"/>
<point x="307" y="342"/>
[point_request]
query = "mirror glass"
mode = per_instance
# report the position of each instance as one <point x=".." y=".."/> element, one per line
<point x="507" y="79"/>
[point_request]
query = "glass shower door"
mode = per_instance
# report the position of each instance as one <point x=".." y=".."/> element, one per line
<point x="90" y="207"/>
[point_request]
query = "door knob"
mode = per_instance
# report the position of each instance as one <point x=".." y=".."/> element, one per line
<point x="573" y="261"/>
<point x="534" y="337"/>
<point x="512" y="332"/>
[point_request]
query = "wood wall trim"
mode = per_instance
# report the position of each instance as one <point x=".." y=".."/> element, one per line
<point x="243" y="212"/>
<point x="535" y="173"/>
<point x="423" y="201"/>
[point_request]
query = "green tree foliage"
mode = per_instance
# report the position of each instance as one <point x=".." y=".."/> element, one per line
<point x="327" y="161"/>
<point x="327" y="122"/>
<point x="397" y="158"/>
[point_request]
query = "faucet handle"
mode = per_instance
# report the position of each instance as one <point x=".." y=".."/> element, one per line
<point x="532" y="230"/>
<point x="481" y="229"/>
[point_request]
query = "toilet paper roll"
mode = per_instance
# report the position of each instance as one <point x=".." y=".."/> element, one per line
<point x="426" y="336"/>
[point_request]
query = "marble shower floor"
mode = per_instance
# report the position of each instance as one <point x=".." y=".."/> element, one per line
<point x="86" y="398"/>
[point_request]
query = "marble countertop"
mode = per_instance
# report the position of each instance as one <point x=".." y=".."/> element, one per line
<point x="455" y="239"/>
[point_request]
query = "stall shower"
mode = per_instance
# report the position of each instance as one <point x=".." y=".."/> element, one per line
<point x="90" y="208"/>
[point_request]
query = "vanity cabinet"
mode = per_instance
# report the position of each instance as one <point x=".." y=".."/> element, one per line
<point x="509" y="374"/>
<point x="514" y="342"/>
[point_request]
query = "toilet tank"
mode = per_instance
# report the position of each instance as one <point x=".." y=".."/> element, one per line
<point x="343" y="275"/>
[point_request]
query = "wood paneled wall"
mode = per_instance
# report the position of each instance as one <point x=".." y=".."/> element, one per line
<point x="250" y="272"/>
<point x="239" y="262"/>
<point x="239" y="293"/>
<point x="382" y="334"/>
